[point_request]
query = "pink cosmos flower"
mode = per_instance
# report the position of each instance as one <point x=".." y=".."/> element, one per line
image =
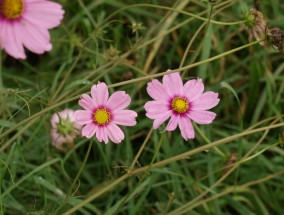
<point x="64" y="129"/>
<point x="181" y="103"/>
<point x="26" y="23"/>
<point x="102" y="114"/>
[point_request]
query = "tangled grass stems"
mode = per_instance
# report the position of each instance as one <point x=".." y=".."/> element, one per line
<point x="231" y="167"/>
<point x="170" y="160"/>
<point x="141" y="44"/>
<point x="234" y="189"/>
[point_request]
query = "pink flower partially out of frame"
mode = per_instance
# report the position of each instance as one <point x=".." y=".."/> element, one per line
<point x="102" y="114"/>
<point x="25" y="23"/>
<point x="181" y="103"/>
<point x="64" y="129"/>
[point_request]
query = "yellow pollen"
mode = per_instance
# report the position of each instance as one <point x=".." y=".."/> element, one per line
<point x="11" y="9"/>
<point x="101" y="116"/>
<point x="180" y="105"/>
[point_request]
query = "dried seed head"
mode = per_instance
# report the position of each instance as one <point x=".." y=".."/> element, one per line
<point x="275" y="37"/>
<point x="257" y="26"/>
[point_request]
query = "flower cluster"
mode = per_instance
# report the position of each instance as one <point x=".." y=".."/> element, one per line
<point x="102" y="113"/>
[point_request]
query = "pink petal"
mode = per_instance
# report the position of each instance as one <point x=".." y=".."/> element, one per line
<point x="11" y="39"/>
<point x="193" y="89"/>
<point x="115" y="133"/>
<point x="173" y="84"/>
<point x="156" y="108"/>
<point x="162" y="118"/>
<point x="70" y="114"/>
<point x="88" y="103"/>
<point x="206" y="101"/>
<point x="44" y="14"/>
<point x="173" y="123"/>
<point x="83" y="117"/>
<point x="202" y="117"/>
<point x="63" y="114"/>
<point x="54" y="120"/>
<point x="100" y="93"/>
<point x="89" y="130"/>
<point x="104" y="134"/>
<point x="157" y="90"/>
<point x="186" y="128"/>
<point x="99" y="133"/>
<point x="125" y="117"/>
<point x="34" y="38"/>
<point x="118" y="101"/>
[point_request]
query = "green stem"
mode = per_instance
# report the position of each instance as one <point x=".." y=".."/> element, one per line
<point x="176" y="10"/>
<point x="140" y="151"/>
<point x="76" y="178"/>
<point x="144" y="175"/>
<point x="100" y="192"/>
<point x="208" y="141"/>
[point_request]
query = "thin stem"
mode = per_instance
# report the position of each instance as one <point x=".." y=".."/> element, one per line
<point x="76" y="178"/>
<point x="66" y="76"/>
<point x="164" y="27"/>
<point x="208" y="141"/>
<point x="140" y="151"/>
<point x="97" y="194"/>
<point x="145" y="173"/>
<point x="176" y="10"/>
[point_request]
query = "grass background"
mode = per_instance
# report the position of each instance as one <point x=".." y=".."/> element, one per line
<point x="233" y="166"/>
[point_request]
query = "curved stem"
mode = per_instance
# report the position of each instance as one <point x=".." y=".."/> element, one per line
<point x="176" y="10"/>
<point x="76" y="178"/>
<point x="140" y="151"/>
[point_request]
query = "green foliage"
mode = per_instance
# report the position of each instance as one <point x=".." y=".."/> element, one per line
<point x="233" y="166"/>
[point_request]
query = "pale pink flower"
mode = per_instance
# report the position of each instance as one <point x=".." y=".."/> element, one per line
<point x="26" y="23"/>
<point x="102" y="114"/>
<point x="181" y="103"/>
<point x="64" y="128"/>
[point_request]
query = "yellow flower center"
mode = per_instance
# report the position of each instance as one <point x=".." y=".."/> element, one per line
<point x="102" y="116"/>
<point x="11" y="9"/>
<point x="180" y="105"/>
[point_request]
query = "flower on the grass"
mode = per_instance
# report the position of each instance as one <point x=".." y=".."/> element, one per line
<point x="181" y="103"/>
<point x="64" y="129"/>
<point x="102" y="114"/>
<point x="26" y="23"/>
